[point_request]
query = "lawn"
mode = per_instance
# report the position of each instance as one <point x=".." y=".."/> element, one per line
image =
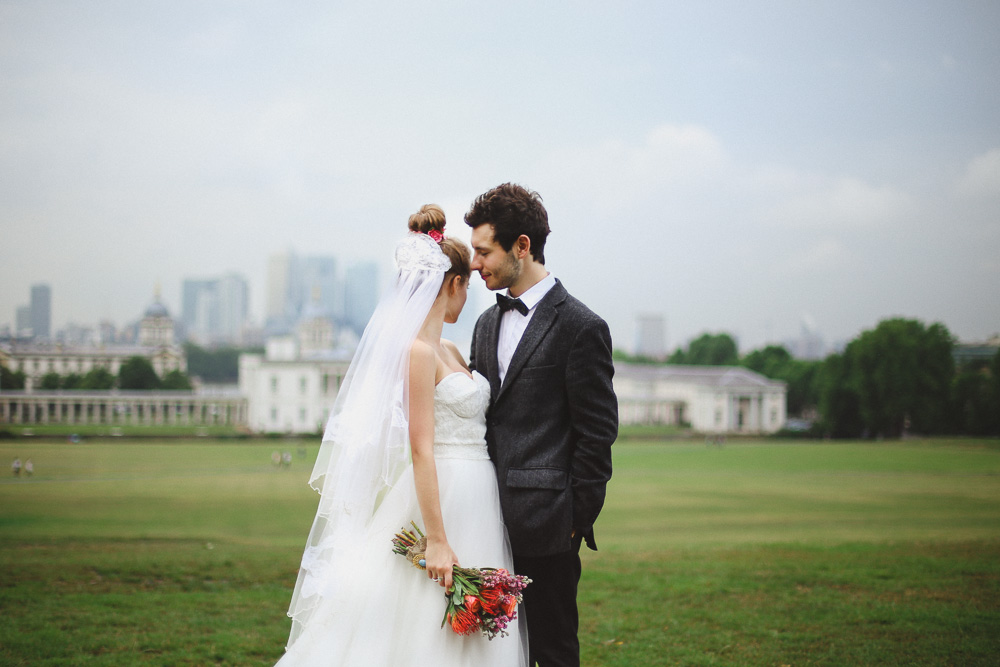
<point x="755" y="553"/>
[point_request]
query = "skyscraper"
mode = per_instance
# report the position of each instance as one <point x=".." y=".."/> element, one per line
<point x="279" y="275"/>
<point x="319" y="276"/>
<point x="41" y="310"/>
<point x="360" y="295"/>
<point x="22" y="323"/>
<point x="650" y="337"/>
<point x="292" y="285"/>
<point x="215" y="310"/>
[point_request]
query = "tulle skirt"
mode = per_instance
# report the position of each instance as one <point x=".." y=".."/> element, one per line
<point x="394" y="617"/>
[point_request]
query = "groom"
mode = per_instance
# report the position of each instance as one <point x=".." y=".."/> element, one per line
<point x="553" y="412"/>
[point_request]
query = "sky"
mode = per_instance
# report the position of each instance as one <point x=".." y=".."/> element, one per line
<point x="732" y="167"/>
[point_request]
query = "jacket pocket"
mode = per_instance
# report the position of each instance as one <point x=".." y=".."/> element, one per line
<point x="538" y="371"/>
<point x="537" y="478"/>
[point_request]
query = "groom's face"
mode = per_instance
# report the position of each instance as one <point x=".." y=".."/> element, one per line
<point x="497" y="267"/>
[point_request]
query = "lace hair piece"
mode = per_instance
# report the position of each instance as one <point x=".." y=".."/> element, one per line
<point x="418" y="251"/>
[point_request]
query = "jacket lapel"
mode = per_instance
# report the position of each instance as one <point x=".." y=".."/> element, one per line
<point x="545" y="316"/>
<point x="493" y="338"/>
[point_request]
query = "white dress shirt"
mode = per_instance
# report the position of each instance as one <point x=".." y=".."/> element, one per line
<point x="513" y="323"/>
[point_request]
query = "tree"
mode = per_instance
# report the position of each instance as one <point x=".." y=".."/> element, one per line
<point x="176" y="380"/>
<point x="138" y="373"/>
<point x="903" y="373"/>
<point x="839" y="403"/>
<point x="972" y="412"/>
<point x="72" y="381"/>
<point x="219" y="365"/>
<point x="994" y="393"/>
<point x="708" y="350"/>
<point x="50" y="382"/>
<point x="11" y="380"/>
<point x="770" y="361"/>
<point x="97" y="379"/>
<point x="777" y="363"/>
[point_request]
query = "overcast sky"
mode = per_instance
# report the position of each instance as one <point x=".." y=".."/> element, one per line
<point x="732" y="166"/>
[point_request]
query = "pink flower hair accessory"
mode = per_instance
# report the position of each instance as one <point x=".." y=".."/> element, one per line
<point x="436" y="235"/>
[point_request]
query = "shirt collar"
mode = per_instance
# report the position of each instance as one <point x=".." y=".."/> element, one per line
<point x="536" y="292"/>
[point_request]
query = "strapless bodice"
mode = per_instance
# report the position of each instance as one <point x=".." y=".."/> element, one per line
<point x="460" y="404"/>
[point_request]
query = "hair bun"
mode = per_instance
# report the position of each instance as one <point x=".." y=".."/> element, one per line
<point x="430" y="217"/>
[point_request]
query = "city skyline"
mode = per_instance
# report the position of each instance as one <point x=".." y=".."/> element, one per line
<point x="733" y="167"/>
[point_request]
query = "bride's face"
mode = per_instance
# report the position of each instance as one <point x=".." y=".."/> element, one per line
<point x="458" y="292"/>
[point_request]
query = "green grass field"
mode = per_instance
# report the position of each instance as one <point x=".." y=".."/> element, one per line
<point x="756" y="553"/>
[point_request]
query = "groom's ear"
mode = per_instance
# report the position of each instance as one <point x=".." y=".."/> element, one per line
<point x="522" y="246"/>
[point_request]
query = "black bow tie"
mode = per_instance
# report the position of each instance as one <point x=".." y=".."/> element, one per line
<point x="506" y="303"/>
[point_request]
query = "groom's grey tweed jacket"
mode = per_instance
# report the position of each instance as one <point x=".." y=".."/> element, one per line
<point x="552" y="422"/>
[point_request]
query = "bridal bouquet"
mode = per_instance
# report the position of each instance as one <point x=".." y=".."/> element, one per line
<point x="483" y="599"/>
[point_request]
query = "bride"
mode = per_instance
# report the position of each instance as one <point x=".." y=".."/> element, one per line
<point x="405" y="442"/>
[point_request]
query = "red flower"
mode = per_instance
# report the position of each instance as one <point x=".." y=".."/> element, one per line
<point x="509" y="605"/>
<point x="490" y="600"/>
<point x="471" y="603"/>
<point x="464" y="622"/>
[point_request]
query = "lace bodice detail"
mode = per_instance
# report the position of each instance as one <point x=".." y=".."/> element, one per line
<point x="460" y="404"/>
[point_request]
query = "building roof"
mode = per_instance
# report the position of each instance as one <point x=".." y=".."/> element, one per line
<point x="706" y="376"/>
<point x="157" y="309"/>
<point x="34" y="349"/>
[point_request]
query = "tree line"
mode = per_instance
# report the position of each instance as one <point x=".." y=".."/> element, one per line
<point x="136" y="373"/>
<point x="898" y="378"/>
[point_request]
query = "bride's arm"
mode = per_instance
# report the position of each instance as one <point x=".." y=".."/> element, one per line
<point x="423" y="367"/>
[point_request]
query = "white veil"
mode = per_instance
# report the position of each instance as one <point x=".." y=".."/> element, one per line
<point x="365" y="445"/>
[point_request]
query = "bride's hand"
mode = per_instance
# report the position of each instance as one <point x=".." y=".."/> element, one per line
<point x="440" y="560"/>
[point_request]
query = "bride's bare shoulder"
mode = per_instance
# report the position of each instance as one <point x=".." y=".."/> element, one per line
<point x="422" y="354"/>
<point x="453" y="350"/>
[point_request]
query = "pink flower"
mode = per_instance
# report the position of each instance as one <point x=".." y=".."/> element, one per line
<point x="436" y="235"/>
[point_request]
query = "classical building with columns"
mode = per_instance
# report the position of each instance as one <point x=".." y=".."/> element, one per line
<point x="156" y="343"/>
<point x="121" y="408"/>
<point x="709" y="399"/>
<point x="292" y="386"/>
<point x="114" y="408"/>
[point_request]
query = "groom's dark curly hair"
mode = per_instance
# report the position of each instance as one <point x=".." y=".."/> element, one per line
<point x="512" y="210"/>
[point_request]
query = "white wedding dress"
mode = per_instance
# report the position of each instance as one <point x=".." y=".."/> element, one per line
<point x="396" y="611"/>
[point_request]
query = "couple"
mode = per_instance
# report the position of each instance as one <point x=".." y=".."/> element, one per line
<point x="502" y="461"/>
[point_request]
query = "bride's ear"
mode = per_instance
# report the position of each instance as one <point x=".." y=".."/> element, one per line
<point x="454" y="283"/>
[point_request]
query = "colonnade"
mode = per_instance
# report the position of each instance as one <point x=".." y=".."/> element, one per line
<point x="121" y="408"/>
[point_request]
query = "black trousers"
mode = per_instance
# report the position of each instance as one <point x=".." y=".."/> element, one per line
<point x="549" y="607"/>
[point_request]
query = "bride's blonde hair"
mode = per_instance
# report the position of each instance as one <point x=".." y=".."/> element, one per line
<point x="430" y="218"/>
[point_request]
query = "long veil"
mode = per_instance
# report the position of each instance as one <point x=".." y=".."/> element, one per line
<point x="365" y="444"/>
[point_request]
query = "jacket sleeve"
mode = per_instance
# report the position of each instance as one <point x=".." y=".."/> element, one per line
<point x="593" y="410"/>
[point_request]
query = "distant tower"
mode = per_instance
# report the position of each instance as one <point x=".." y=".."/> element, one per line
<point x="279" y="275"/>
<point x="320" y="273"/>
<point x="315" y="330"/>
<point x="360" y="295"/>
<point x="650" y="337"/>
<point x="232" y="294"/>
<point x="810" y="344"/>
<point x="157" y="327"/>
<point x="41" y="310"/>
<point x="23" y="321"/>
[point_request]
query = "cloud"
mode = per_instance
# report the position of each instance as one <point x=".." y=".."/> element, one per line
<point x="820" y="202"/>
<point x="669" y="160"/>
<point x="982" y="176"/>
<point x="823" y="256"/>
